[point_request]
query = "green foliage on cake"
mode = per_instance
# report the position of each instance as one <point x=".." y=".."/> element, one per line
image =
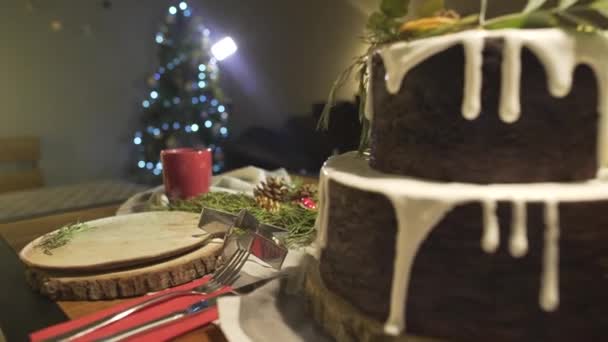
<point x="415" y="19"/>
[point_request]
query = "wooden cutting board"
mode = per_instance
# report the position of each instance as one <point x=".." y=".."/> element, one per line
<point x="121" y="241"/>
<point x="129" y="281"/>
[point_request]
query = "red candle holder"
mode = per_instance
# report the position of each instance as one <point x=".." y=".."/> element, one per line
<point x="186" y="172"/>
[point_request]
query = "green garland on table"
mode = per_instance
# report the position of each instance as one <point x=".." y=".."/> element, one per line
<point x="298" y="221"/>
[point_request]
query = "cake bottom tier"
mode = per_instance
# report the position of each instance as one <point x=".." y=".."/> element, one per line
<point x="340" y="318"/>
<point x="456" y="290"/>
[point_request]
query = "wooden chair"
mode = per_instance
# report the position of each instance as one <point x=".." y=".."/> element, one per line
<point x="20" y="151"/>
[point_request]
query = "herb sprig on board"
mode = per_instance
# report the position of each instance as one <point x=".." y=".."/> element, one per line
<point x="61" y="237"/>
<point x="406" y="20"/>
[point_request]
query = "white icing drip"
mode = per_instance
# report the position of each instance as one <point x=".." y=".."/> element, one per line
<point x="518" y="245"/>
<point x="549" y="296"/>
<point x="511" y="75"/>
<point x="559" y="51"/>
<point x="471" y="104"/>
<point x="491" y="235"/>
<point x="593" y="52"/>
<point x="556" y="51"/>
<point x="415" y="220"/>
<point x="322" y="219"/>
<point x="369" y="100"/>
<point x="400" y="58"/>
<point x="419" y="205"/>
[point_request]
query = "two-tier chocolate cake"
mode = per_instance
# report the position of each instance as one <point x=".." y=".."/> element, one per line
<point x="480" y="213"/>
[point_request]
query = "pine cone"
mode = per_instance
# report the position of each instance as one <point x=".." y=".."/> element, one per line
<point x="274" y="189"/>
<point x="270" y="194"/>
<point x="268" y="204"/>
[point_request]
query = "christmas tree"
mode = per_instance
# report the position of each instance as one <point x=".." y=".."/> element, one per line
<point x="184" y="106"/>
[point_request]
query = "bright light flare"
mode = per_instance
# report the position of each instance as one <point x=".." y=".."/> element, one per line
<point x="223" y="49"/>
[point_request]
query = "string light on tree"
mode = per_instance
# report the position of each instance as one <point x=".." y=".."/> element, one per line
<point x="184" y="106"/>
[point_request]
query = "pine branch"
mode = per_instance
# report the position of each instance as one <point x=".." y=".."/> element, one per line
<point x="344" y="76"/>
<point x="298" y="221"/>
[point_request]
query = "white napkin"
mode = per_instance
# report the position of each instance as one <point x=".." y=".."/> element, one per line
<point x="274" y="312"/>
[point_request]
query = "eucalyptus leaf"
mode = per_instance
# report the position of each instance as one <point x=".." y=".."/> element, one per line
<point x="394" y="8"/>
<point x="564" y="4"/>
<point x="379" y="22"/>
<point x="381" y="28"/>
<point x="573" y="20"/>
<point x="601" y="7"/>
<point x="541" y="19"/>
<point x="425" y="8"/>
<point x="534" y="5"/>
<point x="507" y="21"/>
<point x="589" y="18"/>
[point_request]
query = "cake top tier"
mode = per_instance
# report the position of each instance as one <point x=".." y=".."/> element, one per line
<point x="418" y="19"/>
<point x="560" y="51"/>
<point x="409" y="31"/>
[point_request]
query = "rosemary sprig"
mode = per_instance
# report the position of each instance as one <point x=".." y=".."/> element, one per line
<point x="61" y="237"/>
<point x="298" y="221"/>
<point x="344" y="76"/>
<point x="360" y="67"/>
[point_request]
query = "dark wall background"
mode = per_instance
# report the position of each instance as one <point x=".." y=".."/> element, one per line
<point x="79" y="89"/>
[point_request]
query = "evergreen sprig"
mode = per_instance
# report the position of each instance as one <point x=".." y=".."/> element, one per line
<point x="298" y="221"/>
<point x="61" y="237"/>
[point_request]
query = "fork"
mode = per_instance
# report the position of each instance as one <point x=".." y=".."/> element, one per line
<point x="226" y="275"/>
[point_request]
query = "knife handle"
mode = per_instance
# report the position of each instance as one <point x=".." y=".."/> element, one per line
<point x="165" y="320"/>
<point x="191" y="310"/>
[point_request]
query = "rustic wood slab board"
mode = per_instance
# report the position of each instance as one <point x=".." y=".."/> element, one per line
<point x="127" y="282"/>
<point x="121" y="241"/>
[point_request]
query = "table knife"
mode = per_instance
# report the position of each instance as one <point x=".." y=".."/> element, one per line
<point x="191" y="310"/>
<point x="237" y="291"/>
